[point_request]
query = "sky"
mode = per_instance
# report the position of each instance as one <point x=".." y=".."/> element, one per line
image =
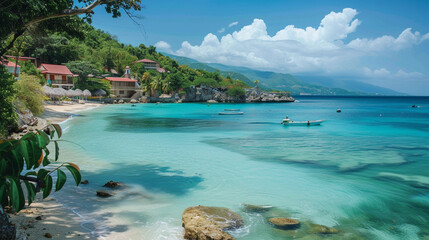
<point x="384" y="43"/>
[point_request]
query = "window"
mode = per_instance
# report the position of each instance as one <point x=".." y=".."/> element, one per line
<point x="121" y="92"/>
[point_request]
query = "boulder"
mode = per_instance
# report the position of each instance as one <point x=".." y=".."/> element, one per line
<point x="284" y="223"/>
<point x="112" y="184"/>
<point x="209" y="223"/>
<point x="316" y="228"/>
<point x="133" y="101"/>
<point x="256" y="208"/>
<point x="121" y="101"/>
<point x="84" y="182"/>
<point x="212" y="101"/>
<point x="102" y="193"/>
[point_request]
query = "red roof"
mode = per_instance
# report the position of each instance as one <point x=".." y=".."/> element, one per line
<point x="55" y="69"/>
<point x="120" y="79"/>
<point x="145" y="61"/>
<point x="7" y="63"/>
<point x="21" y="58"/>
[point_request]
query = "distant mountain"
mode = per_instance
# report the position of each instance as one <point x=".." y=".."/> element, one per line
<point x="313" y="85"/>
<point x="350" y="85"/>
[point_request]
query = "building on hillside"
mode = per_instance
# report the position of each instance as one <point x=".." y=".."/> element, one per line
<point x="57" y="75"/>
<point x="10" y="67"/>
<point x="125" y="86"/>
<point x="149" y="64"/>
<point x="24" y="59"/>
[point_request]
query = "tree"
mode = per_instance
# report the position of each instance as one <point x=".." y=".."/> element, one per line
<point x="31" y="152"/>
<point x="8" y="115"/>
<point x="256" y="83"/>
<point x="82" y="68"/>
<point x="166" y="86"/>
<point x="17" y="15"/>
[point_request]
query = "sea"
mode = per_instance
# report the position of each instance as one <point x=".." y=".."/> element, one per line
<point x="364" y="171"/>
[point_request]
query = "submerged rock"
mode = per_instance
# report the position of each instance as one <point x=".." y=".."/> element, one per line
<point x="316" y="228"/>
<point x="256" y="208"/>
<point x="84" y="182"/>
<point x="112" y="184"/>
<point x="284" y="223"/>
<point x="102" y="193"/>
<point x="209" y="223"/>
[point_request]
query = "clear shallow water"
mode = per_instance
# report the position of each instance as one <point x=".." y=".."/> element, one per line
<point x="365" y="171"/>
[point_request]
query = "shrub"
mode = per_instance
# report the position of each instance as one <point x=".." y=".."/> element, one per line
<point x="236" y="92"/>
<point x="30" y="92"/>
<point x="208" y="82"/>
<point x="8" y="117"/>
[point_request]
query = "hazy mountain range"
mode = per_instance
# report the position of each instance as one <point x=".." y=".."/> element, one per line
<point x="297" y="85"/>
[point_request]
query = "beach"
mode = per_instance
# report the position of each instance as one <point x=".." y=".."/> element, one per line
<point x="55" y="219"/>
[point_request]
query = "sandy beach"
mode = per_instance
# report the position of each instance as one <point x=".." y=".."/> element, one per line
<point x="47" y="217"/>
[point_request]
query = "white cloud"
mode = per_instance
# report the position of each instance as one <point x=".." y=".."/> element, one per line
<point x="301" y="50"/>
<point x="386" y="74"/>
<point x="162" y="45"/>
<point x="232" y="24"/>
<point x="221" y="30"/>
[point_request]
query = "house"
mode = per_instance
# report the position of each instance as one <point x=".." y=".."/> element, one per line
<point x="125" y="86"/>
<point x="24" y="59"/>
<point x="57" y="75"/>
<point x="10" y="67"/>
<point x="149" y="64"/>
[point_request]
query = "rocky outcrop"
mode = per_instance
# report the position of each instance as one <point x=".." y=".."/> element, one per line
<point x="104" y="194"/>
<point x="321" y="229"/>
<point x="112" y="184"/>
<point x="205" y="94"/>
<point x="256" y="208"/>
<point x="209" y="223"/>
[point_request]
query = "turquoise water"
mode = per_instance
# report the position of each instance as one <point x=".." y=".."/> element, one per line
<point x="364" y="171"/>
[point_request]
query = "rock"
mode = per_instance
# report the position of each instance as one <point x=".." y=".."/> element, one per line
<point x="111" y="184"/>
<point x="39" y="218"/>
<point x="256" y="208"/>
<point x="284" y="223"/>
<point x="212" y="101"/>
<point x="84" y="182"/>
<point x="105" y="194"/>
<point x="48" y="235"/>
<point x="209" y="223"/>
<point x="121" y="101"/>
<point x="133" y="101"/>
<point x="7" y="229"/>
<point x="114" y="102"/>
<point x="316" y="228"/>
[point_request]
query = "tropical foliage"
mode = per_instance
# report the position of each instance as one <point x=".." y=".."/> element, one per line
<point x="27" y="160"/>
<point x="8" y="115"/>
<point x="29" y="91"/>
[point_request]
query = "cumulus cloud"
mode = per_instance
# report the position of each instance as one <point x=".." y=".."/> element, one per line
<point x="323" y="49"/>
<point x="386" y="74"/>
<point x="162" y="45"/>
<point x="232" y="24"/>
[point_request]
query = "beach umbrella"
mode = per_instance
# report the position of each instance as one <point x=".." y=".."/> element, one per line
<point x="86" y="93"/>
<point x="71" y="93"/>
<point x="99" y="92"/>
<point x="47" y="90"/>
<point x="62" y="92"/>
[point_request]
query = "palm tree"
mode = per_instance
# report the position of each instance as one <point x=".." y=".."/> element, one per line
<point x="257" y="83"/>
<point x="155" y="84"/>
<point x="166" y="86"/>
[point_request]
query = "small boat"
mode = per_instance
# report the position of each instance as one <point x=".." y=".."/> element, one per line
<point x="414" y="106"/>
<point x="231" y="113"/>
<point x="133" y="105"/>
<point x="338" y="110"/>
<point x="288" y="122"/>
<point x="233" y="110"/>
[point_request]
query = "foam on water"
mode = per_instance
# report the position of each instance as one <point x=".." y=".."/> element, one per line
<point x="357" y="172"/>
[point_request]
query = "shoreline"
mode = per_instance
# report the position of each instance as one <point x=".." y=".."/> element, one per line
<point x="55" y="218"/>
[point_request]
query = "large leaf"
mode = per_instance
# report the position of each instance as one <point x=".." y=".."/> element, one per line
<point x="43" y="139"/>
<point x="46" y="161"/>
<point x="24" y="150"/>
<point x="40" y="159"/>
<point x="48" y="188"/>
<point x="42" y="173"/>
<point x="3" y="188"/>
<point x="58" y="129"/>
<point x="37" y="151"/>
<point x="57" y="150"/>
<point x="61" y="180"/>
<point x="16" y="195"/>
<point x="75" y="172"/>
<point x="31" y="191"/>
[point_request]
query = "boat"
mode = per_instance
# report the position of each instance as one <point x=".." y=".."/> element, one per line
<point x="231" y="113"/>
<point x="288" y="122"/>
<point x="233" y="110"/>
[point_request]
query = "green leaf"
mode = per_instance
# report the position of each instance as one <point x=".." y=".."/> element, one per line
<point x="43" y="139"/>
<point x="46" y="161"/>
<point x="76" y="174"/>
<point x="48" y="188"/>
<point x="31" y="191"/>
<point x="58" y="129"/>
<point x="16" y="194"/>
<point x="2" y="190"/>
<point x="24" y="151"/>
<point x="42" y="173"/>
<point x="61" y="180"/>
<point x="57" y="150"/>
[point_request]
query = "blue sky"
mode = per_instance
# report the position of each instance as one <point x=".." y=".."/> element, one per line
<point x="360" y="41"/>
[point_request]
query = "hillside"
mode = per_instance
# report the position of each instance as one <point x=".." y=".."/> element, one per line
<point x="268" y="80"/>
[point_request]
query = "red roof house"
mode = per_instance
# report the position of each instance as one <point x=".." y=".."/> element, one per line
<point x="10" y="66"/>
<point x="149" y="64"/>
<point x="57" y="75"/>
<point x="123" y="86"/>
